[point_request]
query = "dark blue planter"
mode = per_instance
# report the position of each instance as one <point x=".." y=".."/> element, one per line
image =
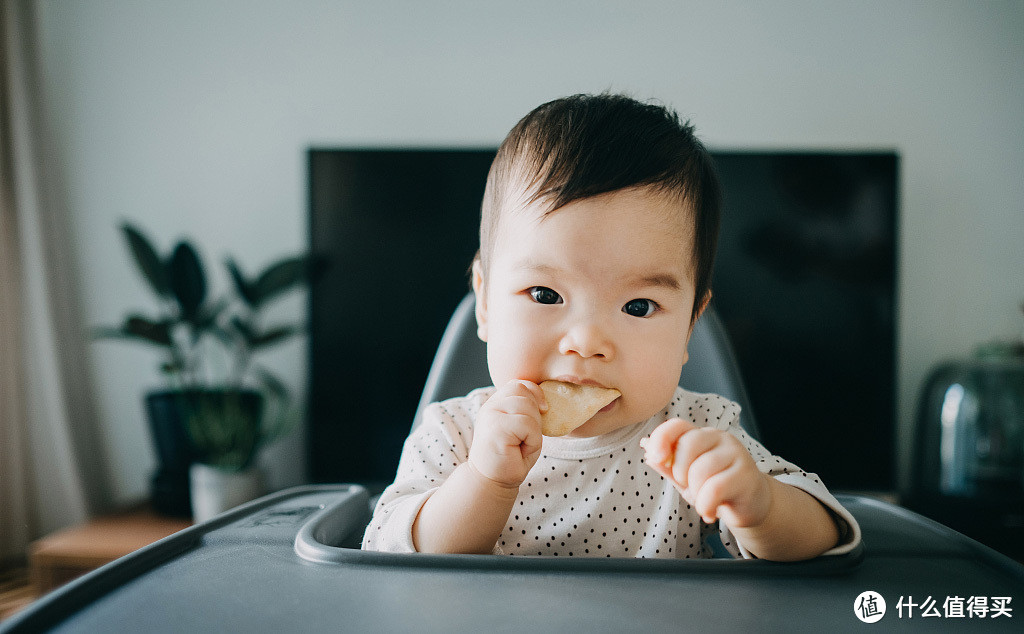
<point x="169" y="413"/>
<point x="169" y="488"/>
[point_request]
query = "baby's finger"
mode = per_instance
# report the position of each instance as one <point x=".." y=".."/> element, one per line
<point x="657" y="462"/>
<point x="517" y="405"/>
<point x="518" y="436"/>
<point x="661" y="445"/>
<point x="665" y="471"/>
<point x="521" y="392"/>
<point x="707" y="465"/>
<point x="716" y="492"/>
<point x="536" y="392"/>
<point x="689" y="447"/>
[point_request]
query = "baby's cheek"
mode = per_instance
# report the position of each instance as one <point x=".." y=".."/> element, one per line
<point x="509" y="361"/>
<point x="518" y="349"/>
<point x="654" y="396"/>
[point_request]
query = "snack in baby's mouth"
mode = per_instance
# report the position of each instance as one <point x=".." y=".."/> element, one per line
<point x="570" y="405"/>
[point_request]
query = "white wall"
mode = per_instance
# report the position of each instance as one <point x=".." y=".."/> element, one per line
<point x="193" y="116"/>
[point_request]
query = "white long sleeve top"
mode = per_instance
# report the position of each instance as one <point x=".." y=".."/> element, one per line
<point x="585" y="497"/>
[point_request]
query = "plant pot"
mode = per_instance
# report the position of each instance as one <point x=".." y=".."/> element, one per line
<point x="216" y="490"/>
<point x="185" y="429"/>
<point x="169" y="488"/>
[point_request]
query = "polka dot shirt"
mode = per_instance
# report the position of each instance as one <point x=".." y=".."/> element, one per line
<point x="585" y="497"/>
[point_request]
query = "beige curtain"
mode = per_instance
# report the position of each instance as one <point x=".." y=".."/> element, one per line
<point x="14" y="512"/>
<point x="50" y="466"/>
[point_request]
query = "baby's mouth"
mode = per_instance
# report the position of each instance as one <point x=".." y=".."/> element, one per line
<point x="568" y="378"/>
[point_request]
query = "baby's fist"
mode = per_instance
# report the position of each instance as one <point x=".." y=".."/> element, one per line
<point x="507" y="436"/>
<point x="712" y="470"/>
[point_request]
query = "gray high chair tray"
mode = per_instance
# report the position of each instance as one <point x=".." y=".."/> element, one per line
<point x="290" y="562"/>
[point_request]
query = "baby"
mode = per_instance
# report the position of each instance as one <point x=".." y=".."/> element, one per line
<point x="598" y="232"/>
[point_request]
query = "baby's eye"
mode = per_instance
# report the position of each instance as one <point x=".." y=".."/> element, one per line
<point x="544" y="295"/>
<point x="640" y="308"/>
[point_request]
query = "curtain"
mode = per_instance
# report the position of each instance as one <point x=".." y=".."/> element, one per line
<point x="14" y="512"/>
<point x="50" y="464"/>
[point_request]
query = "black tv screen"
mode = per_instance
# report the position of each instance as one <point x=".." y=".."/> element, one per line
<point x="804" y="282"/>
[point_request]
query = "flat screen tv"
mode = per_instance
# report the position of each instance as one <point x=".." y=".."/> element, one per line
<point x="804" y="282"/>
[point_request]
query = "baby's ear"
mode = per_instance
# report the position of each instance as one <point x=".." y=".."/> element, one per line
<point x="693" y="322"/>
<point x="481" y="300"/>
<point x="704" y="304"/>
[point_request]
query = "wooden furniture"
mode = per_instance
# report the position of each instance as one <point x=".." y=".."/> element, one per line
<point x="64" y="555"/>
<point x="15" y="591"/>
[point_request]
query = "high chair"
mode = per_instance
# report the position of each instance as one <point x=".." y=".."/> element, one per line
<point x="291" y="562"/>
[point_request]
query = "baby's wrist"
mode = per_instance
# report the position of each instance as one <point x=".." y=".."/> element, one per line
<point x="497" y="488"/>
<point x="770" y="497"/>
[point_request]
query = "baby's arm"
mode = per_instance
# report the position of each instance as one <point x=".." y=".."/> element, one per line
<point x="719" y="479"/>
<point x="468" y="511"/>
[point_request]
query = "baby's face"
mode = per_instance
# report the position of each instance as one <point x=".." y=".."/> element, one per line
<point x="600" y="292"/>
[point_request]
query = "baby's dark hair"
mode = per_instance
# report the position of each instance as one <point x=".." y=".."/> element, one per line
<point x="585" y="145"/>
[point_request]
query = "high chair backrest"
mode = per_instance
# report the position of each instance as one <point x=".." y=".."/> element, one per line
<point x="460" y="364"/>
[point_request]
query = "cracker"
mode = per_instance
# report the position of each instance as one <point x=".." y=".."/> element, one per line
<point x="570" y="405"/>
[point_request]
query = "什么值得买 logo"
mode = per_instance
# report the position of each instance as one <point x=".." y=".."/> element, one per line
<point x="869" y="606"/>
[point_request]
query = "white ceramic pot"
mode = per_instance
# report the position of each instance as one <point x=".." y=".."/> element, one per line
<point x="215" y="490"/>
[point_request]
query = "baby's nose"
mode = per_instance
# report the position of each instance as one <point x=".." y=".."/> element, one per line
<point x="588" y="339"/>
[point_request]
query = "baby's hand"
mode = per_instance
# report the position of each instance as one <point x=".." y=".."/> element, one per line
<point x="712" y="471"/>
<point x="507" y="437"/>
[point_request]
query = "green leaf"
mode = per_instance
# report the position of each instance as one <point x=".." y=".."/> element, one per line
<point x="171" y="368"/>
<point x="278" y="278"/>
<point x="223" y="335"/>
<point x="158" y="332"/>
<point x="210" y="311"/>
<point x="278" y="420"/>
<point x="138" y="328"/>
<point x="224" y="426"/>
<point x="270" y="382"/>
<point x="244" y="288"/>
<point x="188" y="281"/>
<point x="244" y="329"/>
<point x="147" y="259"/>
<point x="274" y="335"/>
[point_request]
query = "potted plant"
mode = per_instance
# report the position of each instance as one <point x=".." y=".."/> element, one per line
<point x="219" y="407"/>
